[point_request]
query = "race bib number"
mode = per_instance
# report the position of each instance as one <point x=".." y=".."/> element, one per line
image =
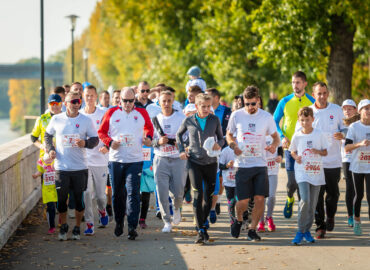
<point x="69" y="140"/>
<point x="49" y="178"/>
<point x="252" y="145"/>
<point x="272" y="165"/>
<point x="364" y="157"/>
<point x="147" y="154"/>
<point x="312" y="167"/>
<point x="126" y="140"/>
<point x="168" y="150"/>
<point x="231" y="175"/>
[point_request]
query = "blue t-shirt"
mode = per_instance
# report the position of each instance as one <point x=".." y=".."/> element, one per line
<point x="202" y="121"/>
<point x="219" y="112"/>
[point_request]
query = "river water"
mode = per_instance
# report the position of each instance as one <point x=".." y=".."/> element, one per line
<point x="6" y="134"/>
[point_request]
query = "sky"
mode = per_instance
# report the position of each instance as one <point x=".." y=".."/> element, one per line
<point x="20" y="26"/>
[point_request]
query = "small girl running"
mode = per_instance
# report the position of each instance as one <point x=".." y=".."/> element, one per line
<point x="45" y="169"/>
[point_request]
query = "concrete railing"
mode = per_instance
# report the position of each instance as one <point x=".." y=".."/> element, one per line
<point x="19" y="192"/>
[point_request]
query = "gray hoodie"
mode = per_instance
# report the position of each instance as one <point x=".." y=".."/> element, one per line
<point x="197" y="136"/>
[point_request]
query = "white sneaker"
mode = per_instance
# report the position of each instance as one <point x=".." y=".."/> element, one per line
<point x="176" y="217"/>
<point x="167" y="227"/>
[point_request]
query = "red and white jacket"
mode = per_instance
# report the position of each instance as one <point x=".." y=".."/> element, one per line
<point x="127" y="128"/>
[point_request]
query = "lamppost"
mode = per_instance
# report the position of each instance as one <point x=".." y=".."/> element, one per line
<point x="42" y="73"/>
<point x="85" y="55"/>
<point x="73" y="19"/>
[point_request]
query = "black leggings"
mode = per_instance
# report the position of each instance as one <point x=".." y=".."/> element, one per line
<point x="231" y="202"/>
<point x="187" y="185"/>
<point x="359" y="179"/>
<point x="350" y="188"/>
<point x="198" y="175"/>
<point x="50" y="211"/>
<point x="145" y="199"/>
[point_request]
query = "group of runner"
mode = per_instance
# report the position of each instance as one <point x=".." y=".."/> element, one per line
<point x="144" y="141"/>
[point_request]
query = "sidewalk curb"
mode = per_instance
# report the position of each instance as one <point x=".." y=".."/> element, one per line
<point x="12" y="223"/>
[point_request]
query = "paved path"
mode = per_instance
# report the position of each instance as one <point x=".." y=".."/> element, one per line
<point x="32" y="248"/>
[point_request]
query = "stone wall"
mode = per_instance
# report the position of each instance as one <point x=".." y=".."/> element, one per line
<point x="19" y="192"/>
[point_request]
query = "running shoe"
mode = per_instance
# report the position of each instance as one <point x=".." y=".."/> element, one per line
<point x="330" y="224"/>
<point x="288" y="209"/>
<point x="51" y="231"/>
<point x="167" y="227"/>
<point x="235" y="229"/>
<point x="110" y="212"/>
<point x="142" y="223"/>
<point x="118" y="231"/>
<point x="213" y="216"/>
<point x="308" y="237"/>
<point x="76" y="233"/>
<point x="176" y="219"/>
<point x="270" y="224"/>
<point x="188" y="197"/>
<point x="357" y="228"/>
<point x="253" y="236"/>
<point x="320" y="233"/>
<point x="350" y="221"/>
<point x="206" y="224"/>
<point x="63" y="232"/>
<point x="218" y="208"/>
<point x="206" y="235"/>
<point x="298" y="238"/>
<point x="103" y="218"/>
<point x="261" y="226"/>
<point x="132" y="234"/>
<point x="89" y="229"/>
<point x="200" y="237"/>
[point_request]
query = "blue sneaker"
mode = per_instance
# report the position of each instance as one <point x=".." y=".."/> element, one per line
<point x="103" y="218"/>
<point x="213" y="216"/>
<point x="288" y="209"/>
<point x="350" y="221"/>
<point x="89" y="229"/>
<point x="308" y="237"/>
<point x="357" y="228"/>
<point x="298" y="238"/>
<point x="206" y="224"/>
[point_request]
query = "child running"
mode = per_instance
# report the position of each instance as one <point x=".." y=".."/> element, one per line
<point x="307" y="148"/>
<point x="358" y="141"/>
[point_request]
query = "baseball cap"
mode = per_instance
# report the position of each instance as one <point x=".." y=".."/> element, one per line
<point x="349" y="102"/>
<point x="363" y="103"/>
<point x="54" y="98"/>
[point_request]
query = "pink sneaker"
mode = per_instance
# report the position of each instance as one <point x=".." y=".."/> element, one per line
<point x="142" y="223"/>
<point x="261" y="226"/>
<point x="51" y="231"/>
<point x="270" y="224"/>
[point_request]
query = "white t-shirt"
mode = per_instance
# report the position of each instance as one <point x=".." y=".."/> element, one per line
<point x="330" y="121"/>
<point x="251" y="131"/>
<point x="272" y="165"/>
<point x="94" y="157"/>
<point x="65" y="130"/>
<point x="228" y="176"/>
<point x="311" y="169"/>
<point x="154" y="109"/>
<point x="170" y="125"/>
<point x="360" y="162"/>
<point x="199" y="81"/>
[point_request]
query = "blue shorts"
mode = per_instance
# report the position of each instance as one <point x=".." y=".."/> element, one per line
<point x="289" y="161"/>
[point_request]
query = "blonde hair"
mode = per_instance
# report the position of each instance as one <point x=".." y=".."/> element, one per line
<point x="202" y="97"/>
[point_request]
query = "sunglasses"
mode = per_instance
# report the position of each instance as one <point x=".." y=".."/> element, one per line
<point x="54" y="103"/>
<point x="75" y="101"/>
<point x="252" y="103"/>
<point x="145" y="90"/>
<point x="128" y="100"/>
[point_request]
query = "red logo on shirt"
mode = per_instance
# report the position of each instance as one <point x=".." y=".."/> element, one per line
<point x="97" y="122"/>
<point x="331" y="117"/>
<point x="117" y="120"/>
<point x="77" y="125"/>
<point x="135" y="117"/>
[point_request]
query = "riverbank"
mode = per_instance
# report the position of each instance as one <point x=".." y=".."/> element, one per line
<point x="6" y="134"/>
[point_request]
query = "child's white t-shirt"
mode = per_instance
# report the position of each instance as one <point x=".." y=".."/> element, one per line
<point x="311" y="169"/>
<point x="360" y="161"/>
<point x="272" y="165"/>
<point x="228" y="175"/>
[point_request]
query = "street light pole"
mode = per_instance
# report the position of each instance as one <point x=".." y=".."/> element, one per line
<point x="73" y="19"/>
<point x="42" y="73"/>
<point x="85" y="55"/>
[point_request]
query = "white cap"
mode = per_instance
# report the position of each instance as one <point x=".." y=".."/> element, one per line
<point x="349" y="102"/>
<point x="363" y="103"/>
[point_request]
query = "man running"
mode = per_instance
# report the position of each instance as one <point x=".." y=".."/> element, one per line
<point x="287" y="109"/>
<point x="250" y="125"/>
<point x="142" y="100"/>
<point x="73" y="133"/>
<point x="124" y="131"/>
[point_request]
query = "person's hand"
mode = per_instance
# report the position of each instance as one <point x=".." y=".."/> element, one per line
<point x="80" y="143"/>
<point x="35" y="175"/>
<point x="230" y="164"/>
<point x="299" y="159"/>
<point x="315" y="151"/>
<point x="42" y="147"/>
<point x="52" y="154"/>
<point x="237" y="151"/>
<point x="364" y="143"/>
<point x="278" y="159"/>
<point x="183" y="156"/>
<point x="115" y="145"/>
<point x="147" y="141"/>
<point x="216" y="147"/>
<point x="271" y="148"/>
<point x="163" y="140"/>
<point x="103" y="150"/>
<point x="338" y="136"/>
<point x="285" y="142"/>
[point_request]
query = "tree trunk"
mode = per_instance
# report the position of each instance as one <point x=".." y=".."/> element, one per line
<point x="340" y="67"/>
